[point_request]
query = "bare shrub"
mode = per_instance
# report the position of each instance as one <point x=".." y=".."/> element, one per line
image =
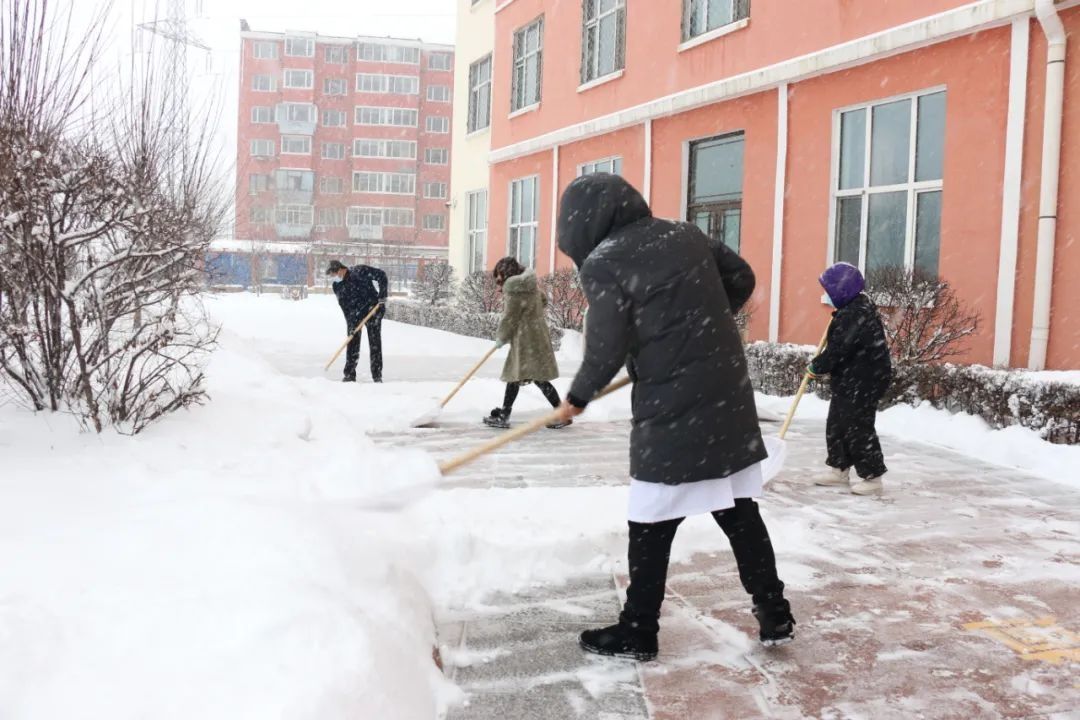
<point x="566" y="301"/>
<point x="434" y="283"/>
<point x="478" y="293"/>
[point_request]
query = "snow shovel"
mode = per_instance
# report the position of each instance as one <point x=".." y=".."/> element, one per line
<point x="465" y="458"/>
<point x="353" y="334"/>
<point x="432" y="415"/>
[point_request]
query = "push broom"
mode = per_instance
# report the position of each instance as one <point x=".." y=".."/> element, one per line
<point x="432" y="415"/>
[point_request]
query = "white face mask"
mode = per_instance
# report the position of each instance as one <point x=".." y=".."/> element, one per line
<point x="828" y="299"/>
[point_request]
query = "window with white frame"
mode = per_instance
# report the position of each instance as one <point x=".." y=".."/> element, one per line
<point x="437" y="125"/>
<point x="437" y="156"/>
<point x="394" y="117"/>
<point x="385" y="183"/>
<point x="387" y="84"/>
<point x="296" y="112"/>
<point x="399" y="217"/>
<point x="434" y="222"/>
<point x="524" y="220"/>
<point x="398" y="54"/>
<point x="889" y="165"/>
<point x="262" y="148"/>
<point x="329" y="185"/>
<point x="297" y="215"/>
<point x="714" y="201"/>
<point x="480" y="94"/>
<point x="603" y="38"/>
<point x="257" y="183"/>
<point x="260" y="215"/>
<point x="333" y="151"/>
<point x="299" y="79"/>
<point x="262" y="83"/>
<point x="295" y="180"/>
<point x="528" y="65"/>
<point x="476" y="229"/>
<point x="331" y="217"/>
<point x="612" y="165"/>
<point x="261" y="115"/>
<point x="387" y="217"/>
<point x="704" y="16"/>
<point x="265" y="50"/>
<point x="299" y="47"/>
<point x="336" y="54"/>
<point x="375" y="148"/>
<point x="334" y="118"/>
<point x="335" y="86"/>
<point x="438" y="93"/>
<point x="295" y="144"/>
<point x="435" y="190"/>
<point x="441" y="61"/>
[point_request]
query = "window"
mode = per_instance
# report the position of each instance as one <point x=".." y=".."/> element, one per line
<point x="438" y="125"/>
<point x="438" y="93"/>
<point x="716" y="187"/>
<point x="299" y="79"/>
<point x="388" y="217"/>
<point x="603" y="39"/>
<point x="299" y="47"/>
<point x="397" y="117"/>
<point x="612" y="165"/>
<point x="262" y="83"/>
<point x="476" y="229"/>
<point x="434" y="222"/>
<point x="260" y="215"/>
<point x="258" y="183"/>
<point x="524" y="220"/>
<point x="336" y="54"/>
<point x="265" y="50"/>
<point x="384" y="183"/>
<point x="703" y="16"/>
<point x="372" y="148"/>
<point x="528" y="65"/>
<point x="399" y="217"/>
<point x="295" y="180"/>
<point x="388" y="84"/>
<point x="331" y="185"/>
<point x="296" y="113"/>
<point x="262" y="115"/>
<point x="479" y="94"/>
<point x="335" y="86"/>
<point x="295" y="145"/>
<point x="441" y="61"/>
<point x="373" y="52"/>
<point x="301" y="215"/>
<point x="435" y="191"/>
<point x="333" y="151"/>
<point x="262" y="148"/>
<point x="437" y="156"/>
<point x="334" y="118"/>
<point x="331" y="217"/>
<point x="889" y="170"/>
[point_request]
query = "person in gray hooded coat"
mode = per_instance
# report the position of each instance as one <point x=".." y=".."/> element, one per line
<point x="662" y="300"/>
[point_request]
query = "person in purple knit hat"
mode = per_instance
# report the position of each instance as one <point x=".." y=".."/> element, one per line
<point x="856" y="359"/>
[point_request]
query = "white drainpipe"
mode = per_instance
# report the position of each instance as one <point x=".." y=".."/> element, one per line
<point x="1048" y="190"/>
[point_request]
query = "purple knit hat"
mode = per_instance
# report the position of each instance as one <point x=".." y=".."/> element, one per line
<point x="843" y="282"/>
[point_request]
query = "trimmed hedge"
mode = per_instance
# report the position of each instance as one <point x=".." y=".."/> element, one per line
<point x="452" y="319"/>
<point x="1000" y="397"/>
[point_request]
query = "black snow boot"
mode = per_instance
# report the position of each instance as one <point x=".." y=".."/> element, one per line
<point x="620" y="641"/>
<point x="349" y="378"/>
<point x="777" y="624"/>
<point x="498" y="418"/>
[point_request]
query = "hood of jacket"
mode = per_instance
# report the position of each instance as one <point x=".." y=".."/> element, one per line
<point x="593" y="207"/>
<point x="524" y="283"/>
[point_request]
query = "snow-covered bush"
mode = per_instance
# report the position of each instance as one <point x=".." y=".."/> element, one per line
<point x="478" y="293"/>
<point x="104" y="225"/>
<point x="434" y="283"/>
<point x="451" y="319"/>
<point x="566" y="300"/>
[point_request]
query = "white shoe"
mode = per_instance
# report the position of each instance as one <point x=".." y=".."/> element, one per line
<point x="868" y="487"/>
<point x="835" y="477"/>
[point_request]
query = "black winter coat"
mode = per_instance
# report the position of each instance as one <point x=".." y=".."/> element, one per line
<point x="357" y="293"/>
<point x="856" y="354"/>
<point x="663" y="296"/>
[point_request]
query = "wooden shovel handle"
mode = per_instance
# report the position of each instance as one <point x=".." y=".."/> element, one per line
<point x="353" y="333"/>
<point x="468" y="375"/>
<point x="802" y="387"/>
<point x="508" y="437"/>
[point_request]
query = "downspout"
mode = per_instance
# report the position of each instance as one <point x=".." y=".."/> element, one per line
<point x="647" y="192"/>
<point x="554" y="207"/>
<point x="779" y="192"/>
<point x="1048" y="190"/>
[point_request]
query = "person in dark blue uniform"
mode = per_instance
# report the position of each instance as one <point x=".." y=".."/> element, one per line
<point x="358" y="290"/>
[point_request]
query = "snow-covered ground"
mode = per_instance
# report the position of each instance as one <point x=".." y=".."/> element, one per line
<point x="261" y="556"/>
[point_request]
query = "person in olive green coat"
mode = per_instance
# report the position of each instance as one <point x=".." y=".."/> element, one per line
<point x="524" y="328"/>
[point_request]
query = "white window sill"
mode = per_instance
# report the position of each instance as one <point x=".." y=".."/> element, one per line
<point x="477" y="133"/>
<point x="524" y="111"/>
<point x="714" y="34"/>
<point x="610" y="77"/>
